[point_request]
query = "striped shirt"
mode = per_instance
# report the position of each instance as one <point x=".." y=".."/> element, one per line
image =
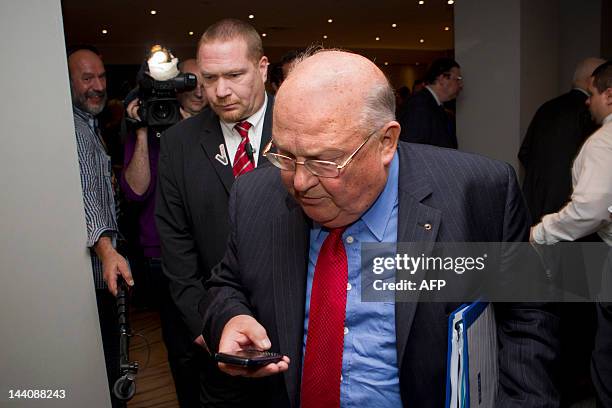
<point x="96" y="182"/>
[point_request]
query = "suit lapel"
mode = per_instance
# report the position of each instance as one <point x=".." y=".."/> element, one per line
<point x="213" y="143"/>
<point x="417" y="223"/>
<point x="266" y="133"/>
<point x="289" y="263"/>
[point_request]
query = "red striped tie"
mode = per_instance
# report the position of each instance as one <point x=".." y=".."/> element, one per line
<point x="242" y="162"/>
<point x="325" y="339"/>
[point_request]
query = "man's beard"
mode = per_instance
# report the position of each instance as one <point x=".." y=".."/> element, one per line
<point x="81" y="102"/>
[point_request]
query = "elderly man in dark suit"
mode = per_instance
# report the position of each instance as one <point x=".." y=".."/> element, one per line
<point x="290" y="280"/>
<point x="555" y="134"/>
<point x="423" y="118"/>
<point x="198" y="162"/>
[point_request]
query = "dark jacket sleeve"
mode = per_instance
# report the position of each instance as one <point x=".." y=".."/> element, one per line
<point x="527" y="332"/>
<point x="225" y="296"/>
<point x="179" y="251"/>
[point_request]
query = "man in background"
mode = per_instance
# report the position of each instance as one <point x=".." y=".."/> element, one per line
<point x="88" y="91"/>
<point x="423" y="118"/>
<point x="199" y="160"/>
<point x="138" y="182"/>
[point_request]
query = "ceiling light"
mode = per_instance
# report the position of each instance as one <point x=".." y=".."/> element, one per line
<point x="330" y="20"/>
<point x="191" y="33"/>
<point x="325" y="37"/>
<point x="153" y="12"/>
<point x="386" y="63"/>
<point x="104" y="31"/>
<point x="251" y="16"/>
<point x="421" y="41"/>
<point x="417" y="63"/>
<point x="393" y="25"/>
<point x="377" y="38"/>
<point x="446" y="28"/>
<point x="421" y="2"/>
<point x="264" y="35"/>
<point x="451" y="1"/>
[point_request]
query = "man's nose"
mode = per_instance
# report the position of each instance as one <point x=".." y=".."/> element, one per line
<point x="222" y="89"/>
<point x="99" y="84"/>
<point x="303" y="179"/>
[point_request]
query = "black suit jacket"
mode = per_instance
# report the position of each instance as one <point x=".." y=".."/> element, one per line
<point x="553" y="139"/>
<point x="266" y="277"/>
<point x="424" y="121"/>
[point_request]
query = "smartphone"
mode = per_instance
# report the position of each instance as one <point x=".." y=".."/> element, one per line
<point x="249" y="358"/>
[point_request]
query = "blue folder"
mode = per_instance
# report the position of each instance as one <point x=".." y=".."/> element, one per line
<point x="472" y="367"/>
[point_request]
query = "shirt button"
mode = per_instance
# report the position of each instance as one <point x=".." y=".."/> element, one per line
<point x="341" y="378"/>
<point x="346" y="330"/>
<point x="349" y="286"/>
<point x="349" y="239"/>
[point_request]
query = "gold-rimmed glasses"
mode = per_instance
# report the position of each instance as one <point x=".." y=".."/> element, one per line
<point x="319" y="168"/>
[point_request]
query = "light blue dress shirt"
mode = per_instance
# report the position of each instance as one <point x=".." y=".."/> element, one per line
<point x="370" y="375"/>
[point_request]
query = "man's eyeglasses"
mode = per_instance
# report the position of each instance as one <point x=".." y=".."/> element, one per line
<point x="319" y="168"/>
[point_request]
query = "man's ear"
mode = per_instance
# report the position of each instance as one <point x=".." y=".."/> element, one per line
<point x="263" y="68"/>
<point x="608" y="95"/>
<point x="389" y="140"/>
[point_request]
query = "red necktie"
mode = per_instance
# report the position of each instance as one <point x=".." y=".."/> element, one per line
<point x="242" y="161"/>
<point x="325" y="339"/>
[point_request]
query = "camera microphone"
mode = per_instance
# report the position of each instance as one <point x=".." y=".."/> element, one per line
<point x="249" y="152"/>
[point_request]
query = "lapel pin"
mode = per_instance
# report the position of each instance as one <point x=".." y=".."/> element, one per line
<point x="427" y="227"/>
<point x="221" y="156"/>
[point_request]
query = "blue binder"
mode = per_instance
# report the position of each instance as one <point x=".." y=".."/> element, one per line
<point x="472" y="365"/>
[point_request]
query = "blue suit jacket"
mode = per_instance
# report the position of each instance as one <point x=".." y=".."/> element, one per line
<point x="464" y="197"/>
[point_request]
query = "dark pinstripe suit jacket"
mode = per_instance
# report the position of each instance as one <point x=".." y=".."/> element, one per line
<point x="463" y="196"/>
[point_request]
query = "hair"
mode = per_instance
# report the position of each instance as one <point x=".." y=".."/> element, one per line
<point x="230" y="29"/>
<point x="439" y="67"/>
<point x="602" y="76"/>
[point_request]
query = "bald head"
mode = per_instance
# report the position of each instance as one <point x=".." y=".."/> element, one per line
<point x="342" y="82"/>
<point x="583" y="72"/>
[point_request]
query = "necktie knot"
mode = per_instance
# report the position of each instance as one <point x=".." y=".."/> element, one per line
<point x="243" y="128"/>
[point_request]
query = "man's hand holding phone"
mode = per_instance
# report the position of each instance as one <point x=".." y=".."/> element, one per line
<point x="243" y="332"/>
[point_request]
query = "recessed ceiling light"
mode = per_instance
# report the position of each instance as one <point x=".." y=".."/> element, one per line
<point x="393" y="25"/>
<point x="191" y="33"/>
<point x="386" y="63"/>
<point x="421" y="2"/>
<point x="153" y="12"/>
<point x="251" y="16"/>
<point x="377" y="38"/>
<point x="417" y="63"/>
<point x="325" y="37"/>
<point x="421" y="41"/>
<point x="330" y="20"/>
<point x="264" y="35"/>
<point x="451" y="1"/>
<point x="446" y="28"/>
<point x="104" y="31"/>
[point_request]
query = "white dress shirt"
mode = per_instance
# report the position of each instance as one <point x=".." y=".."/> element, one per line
<point x="587" y="212"/>
<point x="233" y="138"/>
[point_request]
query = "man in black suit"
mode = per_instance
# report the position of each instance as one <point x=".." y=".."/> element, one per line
<point x="553" y="139"/>
<point x="290" y="280"/>
<point x="423" y="118"/>
<point x="198" y="162"/>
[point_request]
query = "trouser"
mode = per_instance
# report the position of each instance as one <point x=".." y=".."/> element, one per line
<point x="109" y="328"/>
<point x="184" y="357"/>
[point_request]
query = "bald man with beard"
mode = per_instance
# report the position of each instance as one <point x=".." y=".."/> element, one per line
<point x="340" y="178"/>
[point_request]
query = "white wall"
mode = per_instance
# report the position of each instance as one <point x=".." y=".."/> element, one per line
<point x="50" y="332"/>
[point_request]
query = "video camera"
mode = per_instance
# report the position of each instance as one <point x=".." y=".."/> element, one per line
<point x="159" y="107"/>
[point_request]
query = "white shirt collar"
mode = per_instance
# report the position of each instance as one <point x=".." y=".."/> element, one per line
<point x="582" y="90"/>
<point x="607" y="119"/>
<point x="434" y="95"/>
